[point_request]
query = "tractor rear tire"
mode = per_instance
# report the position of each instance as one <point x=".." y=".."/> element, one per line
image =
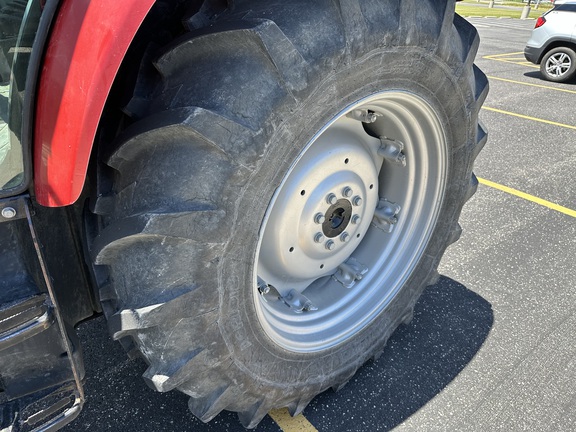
<point x="287" y="194"/>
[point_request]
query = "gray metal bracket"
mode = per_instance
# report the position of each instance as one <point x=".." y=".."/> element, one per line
<point x="31" y="317"/>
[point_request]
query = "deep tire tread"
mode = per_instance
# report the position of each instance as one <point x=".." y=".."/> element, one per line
<point x="472" y="188"/>
<point x="201" y="138"/>
<point x="416" y="24"/>
<point x="254" y="415"/>
<point x="176" y="225"/>
<point x="354" y="25"/>
<point x="469" y="39"/>
<point x="167" y="376"/>
<point x="481" y="85"/>
<point x="144" y="216"/>
<point x="224" y="135"/>
<point x="259" y="49"/>
<point x="288" y="61"/>
<point x="297" y="407"/>
<point x="455" y="234"/>
<point x="209" y="406"/>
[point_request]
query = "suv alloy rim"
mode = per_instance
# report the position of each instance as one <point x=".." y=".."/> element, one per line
<point x="558" y="64"/>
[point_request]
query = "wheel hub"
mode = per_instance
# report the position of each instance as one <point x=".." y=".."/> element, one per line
<point x="350" y="221"/>
<point x="558" y="64"/>
<point x="322" y="211"/>
<point x="337" y="218"/>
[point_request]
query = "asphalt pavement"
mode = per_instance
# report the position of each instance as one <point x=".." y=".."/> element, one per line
<point x="492" y="344"/>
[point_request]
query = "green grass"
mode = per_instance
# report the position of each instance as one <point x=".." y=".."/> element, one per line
<point x="518" y="3"/>
<point x="469" y="10"/>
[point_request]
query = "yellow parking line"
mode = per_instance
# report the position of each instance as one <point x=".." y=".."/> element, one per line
<point x="527" y="63"/>
<point x="529" y="118"/>
<point x="504" y="55"/>
<point x="516" y="63"/>
<point x="505" y="58"/>
<point x="532" y="85"/>
<point x="542" y="202"/>
<point x="291" y="424"/>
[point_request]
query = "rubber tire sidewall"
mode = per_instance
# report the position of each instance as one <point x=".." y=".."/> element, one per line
<point x="568" y="75"/>
<point x="422" y="74"/>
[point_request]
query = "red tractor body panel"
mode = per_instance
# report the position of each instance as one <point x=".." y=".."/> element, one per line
<point x="87" y="45"/>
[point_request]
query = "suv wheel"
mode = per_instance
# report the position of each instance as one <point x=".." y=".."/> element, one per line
<point x="559" y="64"/>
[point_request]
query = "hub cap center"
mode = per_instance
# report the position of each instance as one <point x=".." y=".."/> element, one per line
<point x="337" y="218"/>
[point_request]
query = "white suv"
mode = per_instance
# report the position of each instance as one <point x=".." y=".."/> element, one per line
<point x="552" y="44"/>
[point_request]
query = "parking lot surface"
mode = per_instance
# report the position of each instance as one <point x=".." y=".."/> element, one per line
<point x="492" y="344"/>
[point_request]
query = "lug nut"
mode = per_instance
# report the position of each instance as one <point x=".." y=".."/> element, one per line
<point x="319" y="237"/>
<point x="356" y="219"/>
<point x="357" y="201"/>
<point x="8" y="213"/>
<point x="263" y="287"/>
<point x="330" y="245"/>
<point x="331" y="199"/>
<point x="319" y="218"/>
<point x="344" y="237"/>
<point x="347" y="192"/>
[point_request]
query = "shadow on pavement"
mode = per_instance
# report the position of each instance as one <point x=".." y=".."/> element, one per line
<point x="450" y="324"/>
<point x="117" y="398"/>
<point x="539" y="77"/>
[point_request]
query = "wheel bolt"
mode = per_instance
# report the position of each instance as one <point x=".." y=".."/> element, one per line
<point x="347" y="192"/>
<point x="319" y="218"/>
<point x="356" y="219"/>
<point x="263" y="287"/>
<point x="357" y="200"/>
<point x="344" y="237"/>
<point x="319" y="237"/>
<point x="331" y="199"/>
<point x="330" y="245"/>
<point x="8" y="212"/>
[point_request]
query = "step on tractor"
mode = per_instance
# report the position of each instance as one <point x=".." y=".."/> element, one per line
<point x="254" y="193"/>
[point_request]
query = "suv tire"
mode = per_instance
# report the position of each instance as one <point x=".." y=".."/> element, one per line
<point x="559" y="64"/>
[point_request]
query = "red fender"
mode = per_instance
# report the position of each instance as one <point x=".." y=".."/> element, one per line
<point x="87" y="45"/>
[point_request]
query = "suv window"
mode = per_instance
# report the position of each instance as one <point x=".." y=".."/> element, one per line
<point x="566" y="7"/>
<point x="18" y="25"/>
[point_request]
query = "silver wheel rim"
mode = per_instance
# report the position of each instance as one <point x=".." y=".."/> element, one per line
<point x="350" y="221"/>
<point x="558" y="64"/>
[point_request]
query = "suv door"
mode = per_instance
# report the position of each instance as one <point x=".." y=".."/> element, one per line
<point x="563" y="19"/>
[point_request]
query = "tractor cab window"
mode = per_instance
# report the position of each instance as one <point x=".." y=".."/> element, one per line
<point x="18" y="24"/>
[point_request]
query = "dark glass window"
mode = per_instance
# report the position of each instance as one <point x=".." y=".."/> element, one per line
<point x="569" y="7"/>
<point x="18" y="25"/>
